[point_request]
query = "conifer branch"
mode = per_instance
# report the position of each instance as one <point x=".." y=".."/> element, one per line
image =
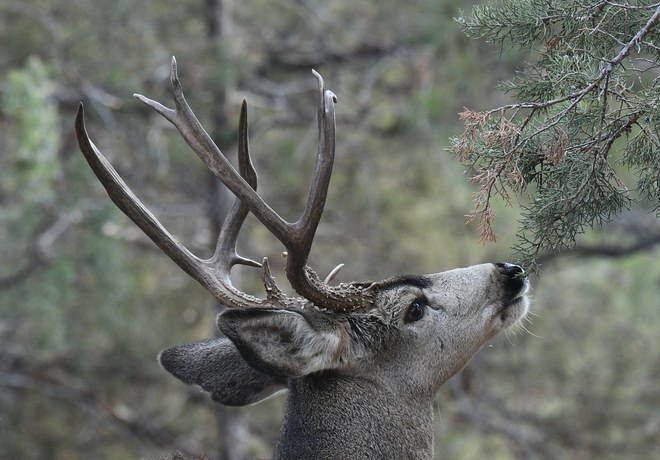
<point x="554" y="145"/>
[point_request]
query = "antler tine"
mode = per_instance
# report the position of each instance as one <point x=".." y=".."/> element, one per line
<point x="130" y="205"/>
<point x="297" y="271"/>
<point x="325" y="157"/>
<point x="302" y="278"/>
<point x="328" y="279"/>
<point x="225" y="255"/>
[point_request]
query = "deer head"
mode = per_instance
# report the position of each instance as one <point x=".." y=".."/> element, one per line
<point x="362" y="360"/>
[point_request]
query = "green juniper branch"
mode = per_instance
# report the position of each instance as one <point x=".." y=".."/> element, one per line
<point x="586" y="108"/>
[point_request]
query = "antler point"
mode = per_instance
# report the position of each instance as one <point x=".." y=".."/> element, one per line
<point x="333" y="273"/>
<point x="319" y="78"/>
<point x="175" y="84"/>
<point x="332" y="96"/>
<point x="80" y="114"/>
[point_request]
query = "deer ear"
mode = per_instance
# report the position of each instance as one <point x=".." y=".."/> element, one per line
<point x="218" y="367"/>
<point x="281" y="342"/>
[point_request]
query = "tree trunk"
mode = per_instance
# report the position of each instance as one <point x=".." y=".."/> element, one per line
<point x="232" y="429"/>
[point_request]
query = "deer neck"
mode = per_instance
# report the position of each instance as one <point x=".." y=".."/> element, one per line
<point x="334" y="416"/>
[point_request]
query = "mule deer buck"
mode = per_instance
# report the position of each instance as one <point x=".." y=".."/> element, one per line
<point x="361" y="361"/>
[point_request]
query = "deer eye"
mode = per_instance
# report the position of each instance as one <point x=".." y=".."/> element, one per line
<point x="415" y="311"/>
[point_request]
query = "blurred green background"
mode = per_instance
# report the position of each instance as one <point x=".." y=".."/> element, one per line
<point x="86" y="301"/>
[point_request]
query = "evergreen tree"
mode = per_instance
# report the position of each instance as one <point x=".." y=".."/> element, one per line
<point x="585" y="115"/>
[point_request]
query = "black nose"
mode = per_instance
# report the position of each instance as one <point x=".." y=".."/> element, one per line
<point x="515" y="278"/>
<point x="510" y="270"/>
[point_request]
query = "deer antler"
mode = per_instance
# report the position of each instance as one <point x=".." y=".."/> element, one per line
<point x="297" y="237"/>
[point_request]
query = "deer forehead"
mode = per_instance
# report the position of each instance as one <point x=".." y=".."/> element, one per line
<point x="450" y="289"/>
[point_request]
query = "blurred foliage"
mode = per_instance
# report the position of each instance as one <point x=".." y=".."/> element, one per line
<point x="86" y="301"/>
<point x="36" y="138"/>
